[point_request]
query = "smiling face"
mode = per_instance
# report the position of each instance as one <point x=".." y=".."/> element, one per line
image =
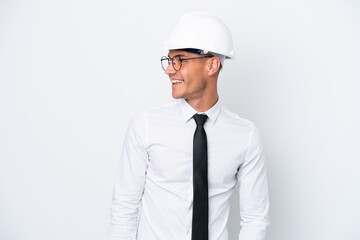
<point x="191" y="81"/>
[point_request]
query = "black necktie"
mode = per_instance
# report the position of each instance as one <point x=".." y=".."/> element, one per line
<point x="200" y="219"/>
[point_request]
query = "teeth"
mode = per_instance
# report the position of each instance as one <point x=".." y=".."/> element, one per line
<point x="176" y="81"/>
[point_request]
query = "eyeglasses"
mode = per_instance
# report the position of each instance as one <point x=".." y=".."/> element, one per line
<point x="176" y="61"/>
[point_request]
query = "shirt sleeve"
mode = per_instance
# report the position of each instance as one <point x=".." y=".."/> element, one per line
<point x="129" y="183"/>
<point x="253" y="191"/>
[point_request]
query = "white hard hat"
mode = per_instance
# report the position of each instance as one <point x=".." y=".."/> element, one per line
<point x="199" y="30"/>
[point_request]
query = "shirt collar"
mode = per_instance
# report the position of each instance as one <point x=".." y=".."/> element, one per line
<point x="188" y="111"/>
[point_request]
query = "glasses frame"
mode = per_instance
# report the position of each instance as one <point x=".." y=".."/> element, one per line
<point x="180" y="59"/>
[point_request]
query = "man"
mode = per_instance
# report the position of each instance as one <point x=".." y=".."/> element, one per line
<point x="181" y="161"/>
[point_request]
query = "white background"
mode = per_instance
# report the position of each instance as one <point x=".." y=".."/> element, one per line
<point x="74" y="73"/>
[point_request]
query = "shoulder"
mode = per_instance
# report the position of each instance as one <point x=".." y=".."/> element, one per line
<point x="244" y="127"/>
<point x="161" y="111"/>
<point x="229" y="117"/>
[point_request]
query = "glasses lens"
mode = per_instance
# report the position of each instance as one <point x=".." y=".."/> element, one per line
<point x="164" y="62"/>
<point x="176" y="61"/>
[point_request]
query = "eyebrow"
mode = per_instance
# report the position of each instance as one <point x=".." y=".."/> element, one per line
<point x="179" y="55"/>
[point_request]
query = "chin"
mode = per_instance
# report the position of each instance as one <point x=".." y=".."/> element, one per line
<point x="176" y="96"/>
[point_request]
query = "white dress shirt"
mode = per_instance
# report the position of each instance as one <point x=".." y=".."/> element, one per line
<point x="153" y="195"/>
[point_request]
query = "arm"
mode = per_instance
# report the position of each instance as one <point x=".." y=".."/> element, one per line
<point x="129" y="185"/>
<point x="253" y="191"/>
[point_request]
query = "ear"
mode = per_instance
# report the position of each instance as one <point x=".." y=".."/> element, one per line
<point x="213" y="66"/>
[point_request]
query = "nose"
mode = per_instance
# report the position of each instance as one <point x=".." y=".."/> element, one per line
<point x="170" y="70"/>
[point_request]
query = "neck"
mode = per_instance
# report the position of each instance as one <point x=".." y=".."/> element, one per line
<point x="203" y="104"/>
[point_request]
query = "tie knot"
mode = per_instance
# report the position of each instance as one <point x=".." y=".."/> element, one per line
<point x="200" y="119"/>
